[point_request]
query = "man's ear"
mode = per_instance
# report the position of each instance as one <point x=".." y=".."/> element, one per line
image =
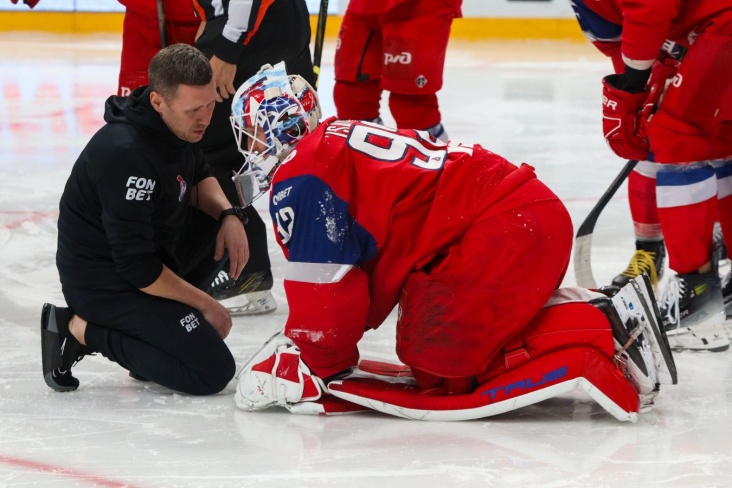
<point x="156" y="100"/>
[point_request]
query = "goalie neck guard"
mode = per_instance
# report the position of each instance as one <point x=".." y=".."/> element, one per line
<point x="271" y="112"/>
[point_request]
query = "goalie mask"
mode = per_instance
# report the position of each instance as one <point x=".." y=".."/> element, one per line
<point x="271" y="112"/>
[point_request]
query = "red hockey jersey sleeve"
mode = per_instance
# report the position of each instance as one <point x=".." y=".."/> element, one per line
<point x="646" y="25"/>
<point x="327" y="291"/>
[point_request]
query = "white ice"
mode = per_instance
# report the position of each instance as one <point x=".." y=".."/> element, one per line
<point x="530" y="102"/>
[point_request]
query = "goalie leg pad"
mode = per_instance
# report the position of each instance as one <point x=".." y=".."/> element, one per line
<point x="277" y="376"/>
<point x="551" y="375"/>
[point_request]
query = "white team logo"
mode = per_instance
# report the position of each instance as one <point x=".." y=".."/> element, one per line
<point x="676" y="80"/>
<point x="139" y="188"/>
<point x="400" y="58"/>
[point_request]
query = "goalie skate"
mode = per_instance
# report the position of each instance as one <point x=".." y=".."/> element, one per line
<point x="642" y="349"/>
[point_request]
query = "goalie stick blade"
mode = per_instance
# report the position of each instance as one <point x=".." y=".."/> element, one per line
<point x="583" y="239"/>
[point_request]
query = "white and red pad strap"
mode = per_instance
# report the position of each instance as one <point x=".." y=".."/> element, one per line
<point x="331" y="405"/>
<point x="277" y="376"/>
<point x="551" y="375"/>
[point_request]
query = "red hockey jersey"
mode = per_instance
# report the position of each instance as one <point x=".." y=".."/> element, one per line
<point x="172" y="9"/>
<point x="371" y="7"/>
<point x="647" y="24"/>
<point x="358" y="206"/>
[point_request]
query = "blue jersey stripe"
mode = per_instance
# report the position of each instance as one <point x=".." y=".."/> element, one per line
<point x="594" y="26"/>
<point x="315" y="224"/>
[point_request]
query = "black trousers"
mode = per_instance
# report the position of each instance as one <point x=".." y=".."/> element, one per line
<point x="283" y="35"/>
<point x="165" y="341"/>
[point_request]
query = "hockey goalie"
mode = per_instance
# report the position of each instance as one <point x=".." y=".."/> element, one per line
<point x="470" y="247"/>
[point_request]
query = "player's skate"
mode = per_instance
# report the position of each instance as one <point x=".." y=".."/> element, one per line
<point x="649" y="258"/>
<point x="59" y="349"/>
<point x="727" y="298"/>
<point x="693" y="312"/>
<point x="641" y="346"/>
<point x="248" y="295"/>
<point x="719" y="248"/>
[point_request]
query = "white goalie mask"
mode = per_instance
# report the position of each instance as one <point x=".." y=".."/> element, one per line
<point x="271" y="112"/>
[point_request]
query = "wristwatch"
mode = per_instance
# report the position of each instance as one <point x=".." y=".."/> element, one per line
<point x="238" y="211"/>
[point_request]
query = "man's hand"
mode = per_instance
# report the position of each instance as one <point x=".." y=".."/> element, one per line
<point x="219" y="318"/>
<point x="223" y="74"/>
<point x="233" y="238"/>
<point x="621" y="120"/>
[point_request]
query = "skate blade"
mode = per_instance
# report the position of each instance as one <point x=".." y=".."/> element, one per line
<point x="256" y="303"/>
<point x="711" y="338"/>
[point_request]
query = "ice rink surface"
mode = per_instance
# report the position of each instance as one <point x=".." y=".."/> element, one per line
<point x="530" y="102"/>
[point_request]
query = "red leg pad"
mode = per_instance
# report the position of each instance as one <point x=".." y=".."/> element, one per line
<point x="551" y="375"/>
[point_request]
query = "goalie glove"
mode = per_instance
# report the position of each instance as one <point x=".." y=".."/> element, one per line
<point x="277" y="376"/>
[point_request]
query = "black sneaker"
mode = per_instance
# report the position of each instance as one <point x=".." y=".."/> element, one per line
<point x="59" y="349"/>
<point x="649" y="258"/>
<point x="693" y="312"/>
<point x="137" y="377"/>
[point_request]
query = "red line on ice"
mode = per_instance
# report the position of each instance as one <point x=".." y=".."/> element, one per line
<point x="28" y="217"/>
<point x="64" y="472"/>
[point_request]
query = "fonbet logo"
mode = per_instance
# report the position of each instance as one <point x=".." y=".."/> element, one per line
<point x="189" y="322"/>
<point x="139" y="188"/>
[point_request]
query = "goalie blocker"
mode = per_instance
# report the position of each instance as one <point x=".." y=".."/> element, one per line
<point x="610" y="347"/>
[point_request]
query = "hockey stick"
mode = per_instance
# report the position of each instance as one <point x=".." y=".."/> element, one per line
<point x="583" y="239"/>
<point x="161" y="24"/>
<point x="319" y="37"/>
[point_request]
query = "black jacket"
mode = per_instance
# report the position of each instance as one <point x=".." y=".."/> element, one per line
<point x="127" y="199"/>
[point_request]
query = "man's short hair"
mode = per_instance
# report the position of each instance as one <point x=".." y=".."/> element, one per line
<point x="178" y="64"/>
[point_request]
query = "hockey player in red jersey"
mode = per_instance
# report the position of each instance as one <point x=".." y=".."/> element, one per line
<point x="141" y="36"/>
<point x="690" y="133"/>
<point x="399" y="46"/>
<point x="471" y="248"/>
<point x="650" y="254"/>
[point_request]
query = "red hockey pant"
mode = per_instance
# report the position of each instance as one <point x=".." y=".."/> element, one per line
<point x="402" y="51"/>
<point x="460" y="311"/>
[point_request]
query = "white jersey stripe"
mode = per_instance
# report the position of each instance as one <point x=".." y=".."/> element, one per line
<point x="684" y="195"/>
<point x="724" y="187"/>
<point x="316" y="272"/>
<point x="647" y="169"/>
